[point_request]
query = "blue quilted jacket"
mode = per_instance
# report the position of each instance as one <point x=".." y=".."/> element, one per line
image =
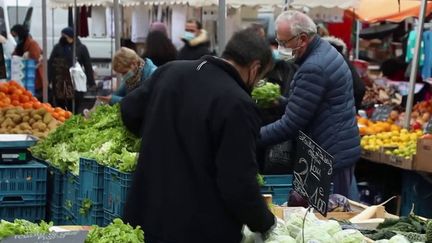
<point x="321" y="104"/>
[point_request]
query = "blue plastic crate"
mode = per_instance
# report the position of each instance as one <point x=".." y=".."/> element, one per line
<point x="270" y="180"/>
<point x="54" y="214"/>
<point x="91" y="180"/>
<point x="55" y="187"/>
<point x="95" y="216"/>
<point x="70" y="194"/>
<point x="29" y="212"/>
<point x="279" y="186"/>
<point x="68" y="217"/>
<point x="279" y="193"/>
<point x="108" y="218"/>
<point x="27" y="181"/>
<point x="418" y="191"/>
<point x="116" y="187"/>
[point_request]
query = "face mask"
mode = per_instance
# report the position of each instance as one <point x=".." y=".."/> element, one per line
<point x="63" y="40"/>
<point x="16" y="39"/>
<point x="128" y="75"/>
<point x="188" y="36"/>
<point x="285" y="54"/>
<point x="275" y="55"/>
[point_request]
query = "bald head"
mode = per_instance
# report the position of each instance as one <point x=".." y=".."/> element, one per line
<point x="295" y="22"/>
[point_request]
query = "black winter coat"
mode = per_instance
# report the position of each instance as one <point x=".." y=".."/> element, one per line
<point x="195" y="180"/>
<point x="64" y="52"/>
<point x="188" y="52"/>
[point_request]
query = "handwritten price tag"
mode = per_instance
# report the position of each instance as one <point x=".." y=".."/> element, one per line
<point x="312" y="173"/>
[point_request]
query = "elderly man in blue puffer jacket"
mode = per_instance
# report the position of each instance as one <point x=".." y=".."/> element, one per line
<point x="321" y="101"/>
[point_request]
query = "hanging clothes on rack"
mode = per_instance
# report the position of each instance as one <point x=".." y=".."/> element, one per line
<point x="140" y="24"/>
<point x="427" y="64"/>
<point x="411" y="47"/>
<point x="99" y="25"/>
<point x="84" y="29"/>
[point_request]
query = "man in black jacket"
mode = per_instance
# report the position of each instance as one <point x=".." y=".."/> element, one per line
<point x="195" y="180"/>
<point x="196" y="41"/>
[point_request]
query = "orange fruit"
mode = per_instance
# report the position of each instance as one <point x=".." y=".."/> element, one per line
<point x="15" y="103"/>
<point x="363" y="121"/>
<point x="28" y="93"/>
<point x="62" y="119"/>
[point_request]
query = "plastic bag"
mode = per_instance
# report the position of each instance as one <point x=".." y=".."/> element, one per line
<point x="79" y="79"/>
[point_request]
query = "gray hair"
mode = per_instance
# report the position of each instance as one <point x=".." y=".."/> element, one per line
<point x="298" y="21"/>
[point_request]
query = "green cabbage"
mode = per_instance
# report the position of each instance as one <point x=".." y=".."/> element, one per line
<point x="399" y="239"/>
<point x="349" y="236"/>
<point x="314" y="234"/>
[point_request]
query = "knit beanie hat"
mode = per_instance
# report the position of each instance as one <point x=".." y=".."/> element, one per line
<point x="68" y="31"/>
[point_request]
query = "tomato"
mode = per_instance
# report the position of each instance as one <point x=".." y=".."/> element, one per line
<point x="28" y="105"/>
<point x="34" y="99"/>
<point x="62" y="119"/>
<point x="7" y="100"/>
<point x="15" y="102"/>
<point x="28" y="93"/>
<point x="37" y="105"/>
<point x="24" y="99"/>
<point x="15" y="97"/>
<point x="4" y="88"/>
<point x="68" y="114"/>
<point x="18" y="92"/>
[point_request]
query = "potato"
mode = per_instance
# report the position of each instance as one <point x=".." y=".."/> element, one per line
<point x="15" y="131"/>
<point x="2" y="118"/>
<point x="11" y="111"/>
<point x="47" y="118"/>
<point x="17" y="119"/>
<point x="7" y="123"/>
<point x="25" y="126"/>
<point x="42" y="127"/>
<point x="26" y="118"/>
<point x="3" y="131"/>
<point x="37" y="117"/>
<point x="41" y="112"/>
<point x="31" y="121"/>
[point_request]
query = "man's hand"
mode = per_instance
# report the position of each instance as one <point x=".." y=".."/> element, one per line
<point x="104" y="99"/>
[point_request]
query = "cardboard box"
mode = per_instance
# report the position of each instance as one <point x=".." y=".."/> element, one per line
<point x="397" y="161"/>
<point x="374" y="156"/>
<point x="423" y="161"/>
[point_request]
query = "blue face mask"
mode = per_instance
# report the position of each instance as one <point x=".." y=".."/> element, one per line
<point x="275" y="54"/>
<point x="188" y="36"/>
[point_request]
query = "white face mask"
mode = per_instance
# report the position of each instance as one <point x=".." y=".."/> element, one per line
<point x="285" y="54"/>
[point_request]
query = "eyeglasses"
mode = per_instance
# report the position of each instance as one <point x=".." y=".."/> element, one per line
<point x="285" y="43"/>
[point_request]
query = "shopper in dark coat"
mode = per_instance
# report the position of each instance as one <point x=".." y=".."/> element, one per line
<point x="359" y="87"/>
<point x="321" y="100"/>
<point x="195" y="180"/>
<point x="196" y="41"/>
<point x="61" y="59"/>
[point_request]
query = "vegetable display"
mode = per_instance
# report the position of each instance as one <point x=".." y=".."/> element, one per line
<point x="315" y="230"/>
<point x="101" y="137"/>
<point x="405" y="229"/>
<point x="266" y="95"/>
<point x="17" y="120"/>
<point x="12" y="94"/>
<point x="22" y="227"/>
<point x="117" y="231"/>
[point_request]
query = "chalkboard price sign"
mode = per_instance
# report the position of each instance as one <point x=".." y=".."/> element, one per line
<point x="53" y="237"/>
<point x="312" y="173"/>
